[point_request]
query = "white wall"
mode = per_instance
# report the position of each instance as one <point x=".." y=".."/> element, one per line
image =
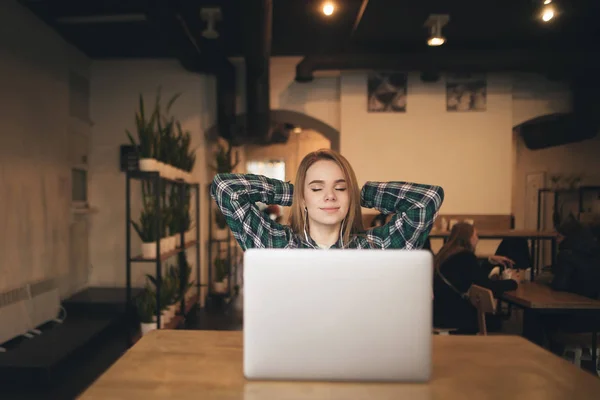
<point x="116" y="86"/>
<point x="35" y="152"/>
<point x="462" y="152"/>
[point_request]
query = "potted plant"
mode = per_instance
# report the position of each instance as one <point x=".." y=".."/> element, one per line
<point x="221" y="275"/>
<point x="224" y="162"/>
<point x="167" y="293"/>
<point x="221" y="228"/>
<point x="146" y="229"/>
<point x="147" y="139"/>
<point x="188" y="155"/>
<point x="146" y="308"/>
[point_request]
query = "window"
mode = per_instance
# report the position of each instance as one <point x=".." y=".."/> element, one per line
<point x="272" y="168"/>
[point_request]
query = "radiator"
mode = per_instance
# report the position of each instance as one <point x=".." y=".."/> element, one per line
<point x="43" y="304"/>
<point x="14" y="320"/>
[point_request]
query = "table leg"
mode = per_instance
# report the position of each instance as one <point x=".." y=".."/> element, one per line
<point x="533" y="259"/>
<point x="533" y="329"/>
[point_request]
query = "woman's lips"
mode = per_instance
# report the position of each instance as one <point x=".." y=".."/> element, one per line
<point x="330" y="210"/>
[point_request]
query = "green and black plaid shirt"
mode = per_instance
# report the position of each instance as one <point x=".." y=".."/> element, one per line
<point x="415" y="207"/>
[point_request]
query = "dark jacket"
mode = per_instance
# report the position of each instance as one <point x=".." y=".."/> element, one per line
<point x="462" y="270"/>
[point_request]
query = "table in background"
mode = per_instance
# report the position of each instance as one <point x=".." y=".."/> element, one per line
<point x="537" y="299"/>
<point x="209" y="365"/>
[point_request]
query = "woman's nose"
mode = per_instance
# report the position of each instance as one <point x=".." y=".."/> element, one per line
<point x="330" y="195"/>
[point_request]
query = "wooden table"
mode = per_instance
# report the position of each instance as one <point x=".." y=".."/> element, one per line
<point x="208" y="365"/>
<point x="538" y="296"/>
<point x="537" y="299"/>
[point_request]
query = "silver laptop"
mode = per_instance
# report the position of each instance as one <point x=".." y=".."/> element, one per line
<point x="360" y="315"/>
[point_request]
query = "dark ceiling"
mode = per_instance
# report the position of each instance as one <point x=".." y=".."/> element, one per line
<point x="300" y="28"/>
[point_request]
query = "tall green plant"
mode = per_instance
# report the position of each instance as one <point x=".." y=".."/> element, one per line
<point x="224" y="159"/>
<point x="146" y="305"/>
<point x="221" y="269"/>
<point x="147" y="139"/>
<point x="146" y="226"/>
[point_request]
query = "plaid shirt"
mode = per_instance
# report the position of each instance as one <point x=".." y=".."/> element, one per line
<point x="415" y="207"/>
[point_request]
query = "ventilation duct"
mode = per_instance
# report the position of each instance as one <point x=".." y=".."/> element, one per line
<point x="258" y="27"/>
<point x="199" y="55"/>
<point x="564" y="128"/>
<point x="441" y="60"/>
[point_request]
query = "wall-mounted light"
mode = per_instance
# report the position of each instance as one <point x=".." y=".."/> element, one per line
<point x="435" y="23"/>
<point x="328" y="8"/>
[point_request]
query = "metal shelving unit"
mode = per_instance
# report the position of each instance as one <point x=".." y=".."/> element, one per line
<point x="217" y="247"/>
<point x="157" y="183"/>
<point x="557" y="192"/>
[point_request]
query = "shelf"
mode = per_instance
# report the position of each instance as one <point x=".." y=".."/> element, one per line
<point x="165" y="256"/>
<point x="150" y="175"/>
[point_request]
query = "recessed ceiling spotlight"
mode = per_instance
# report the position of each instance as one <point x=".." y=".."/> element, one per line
<point x="435" y="23"/>
<point x="547" y="13"/>
<point x="328" y="8"/>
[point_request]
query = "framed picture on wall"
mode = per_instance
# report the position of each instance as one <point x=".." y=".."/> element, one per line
<point x="466" y="92"/>
<point x="386" y="92"/>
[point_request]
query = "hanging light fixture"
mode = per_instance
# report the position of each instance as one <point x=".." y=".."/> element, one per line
<point x="435" y="23"/>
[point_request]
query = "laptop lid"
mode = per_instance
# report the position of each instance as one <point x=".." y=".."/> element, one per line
<point x="337" y="314"/>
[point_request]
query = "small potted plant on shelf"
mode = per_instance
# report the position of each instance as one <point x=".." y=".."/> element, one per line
<point x="221" y="228"/>
<point x="167" y="293"/>
<point x="146" y="229"/>
<point x="146" y="308"/>
<point x="221" y="276"/>
<point x="147" y="138"/>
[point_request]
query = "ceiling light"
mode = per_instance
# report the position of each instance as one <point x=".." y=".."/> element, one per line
<point x="210" y="15"/>
<point x="435" y="23"/>
<point x="297" y="130"/>
<point x="547" y="1"/>
<point x="436" y="41"/>
<point x="547" y="14"/>
<point x="328" y="8"/>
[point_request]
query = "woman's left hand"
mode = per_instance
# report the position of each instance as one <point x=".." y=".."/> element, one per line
<point x="507" y="262"/>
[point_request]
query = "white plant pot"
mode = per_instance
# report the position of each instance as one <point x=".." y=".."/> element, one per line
<point x="189" y="235"/>
<point x="173" y="309"/>
<point x="149" y="250"/>
<point x="161" y="168"/>
<point x="220" y="287"/>
<point x="146" y="327"/>
<point x="221" y="234"/>
<point x="174" y="243"/>
<point x="163" y="245"/>
<point x="148" y="164"/>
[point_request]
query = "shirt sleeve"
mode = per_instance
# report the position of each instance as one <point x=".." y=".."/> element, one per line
<point x="415" y="207"/>
<point x="236" y="196"/>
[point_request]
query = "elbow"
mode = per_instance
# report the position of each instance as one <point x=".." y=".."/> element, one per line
<point x="219" y="183"/>
<point x="436" y="199"/>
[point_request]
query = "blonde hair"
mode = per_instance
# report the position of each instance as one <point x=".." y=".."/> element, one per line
<point x="458" y="241"/>
<point x="353" y="223"/>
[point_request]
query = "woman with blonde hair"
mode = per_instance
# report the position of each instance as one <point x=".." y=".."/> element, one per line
<point x="326" y="208"/>
<point x="456" y="269"/>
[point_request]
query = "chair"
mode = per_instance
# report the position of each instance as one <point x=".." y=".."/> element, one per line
<point x="483" y="300"/>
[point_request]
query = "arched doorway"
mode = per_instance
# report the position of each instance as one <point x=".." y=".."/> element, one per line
<point x="294" y="118"/>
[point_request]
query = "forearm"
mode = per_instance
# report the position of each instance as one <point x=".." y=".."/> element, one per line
<point x="415" y="207"/>
<point x="237" y="189"/>
<point x="399" y="197"/>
